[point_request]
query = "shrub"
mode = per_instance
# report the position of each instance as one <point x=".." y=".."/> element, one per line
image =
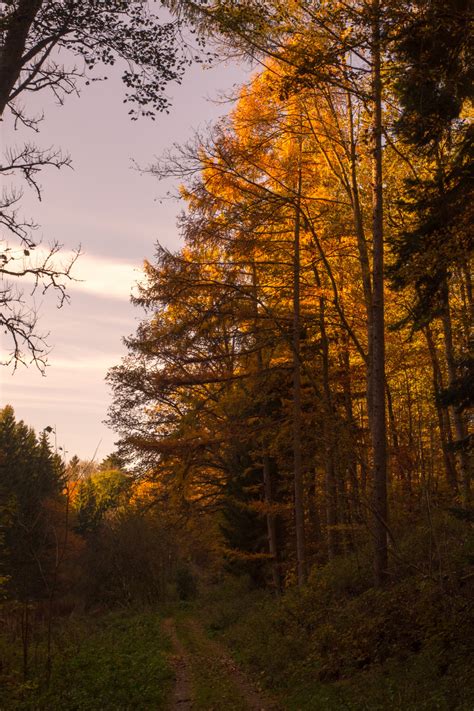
<point x="186" y="584"/>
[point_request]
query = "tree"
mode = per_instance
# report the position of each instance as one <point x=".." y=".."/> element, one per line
<point x="281" y="275"/>
<point x="240" y="236"/>
<point x="30" y="476"/>
<point x="434" y="65"/>
<point x="433" y="256"/>
<point x="34" y="32"/>
<point x="55" y="46"/>
<point x="100" y="492"/>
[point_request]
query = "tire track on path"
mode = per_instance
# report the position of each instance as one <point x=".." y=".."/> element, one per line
<point x="181" y="700"/>
<point x="196" y="659"/>
<point x="255" y="699"/>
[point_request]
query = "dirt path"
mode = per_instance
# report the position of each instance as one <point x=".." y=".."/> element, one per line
<point x="207" y="677"/>
<point x="181" y="700"/>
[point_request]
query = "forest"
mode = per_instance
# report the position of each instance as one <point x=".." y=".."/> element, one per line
<point x="286" y="521"/>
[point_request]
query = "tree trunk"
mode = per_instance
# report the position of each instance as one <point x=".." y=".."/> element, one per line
<point x="352" y="429"/>
<point x="271" y="521"/>
<point x="25" y="637"/>
<point x="11" y="53"/>
<point x="378" y="428"/>
<point x="364" y="260"/>
<point x="442" y="415"/>
<point x="297" y="459"/>
<point x="268" y="485"/>
<point x="328" y="433"/>
<point x="330" y="468"/>
<point x="404" y="472"/>
<point x="459" y="426"/>
<point x="313" y="512"/>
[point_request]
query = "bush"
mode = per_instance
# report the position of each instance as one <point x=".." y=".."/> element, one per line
<point x="186" y="584"/>
<point x="340" y="643"/>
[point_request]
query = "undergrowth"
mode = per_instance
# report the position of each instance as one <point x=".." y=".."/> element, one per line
<point x="340" y="644"/>
<point x="116" y="662"/>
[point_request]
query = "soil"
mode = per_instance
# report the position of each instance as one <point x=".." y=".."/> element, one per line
<point x="181" y="700"/>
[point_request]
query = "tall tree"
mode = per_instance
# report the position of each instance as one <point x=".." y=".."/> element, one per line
<point x="30" y="476"/>
<point x="256" y="297"/>
<point x="434" y="255"/>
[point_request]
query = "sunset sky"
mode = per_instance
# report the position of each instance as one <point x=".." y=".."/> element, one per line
<point x="116" y="215"/>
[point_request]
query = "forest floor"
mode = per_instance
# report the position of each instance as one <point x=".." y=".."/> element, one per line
<point x="337" y="645"/>
<point x="130" y="660"/>
<point x="114" y="661"/>
<point x="206" y="675"/>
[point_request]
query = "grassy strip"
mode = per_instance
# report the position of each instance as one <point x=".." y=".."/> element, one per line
<point x="117" y="662"/>
<point x="212" y="684"/>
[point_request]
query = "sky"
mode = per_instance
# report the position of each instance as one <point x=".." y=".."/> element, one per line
<point x="116" y="214"/>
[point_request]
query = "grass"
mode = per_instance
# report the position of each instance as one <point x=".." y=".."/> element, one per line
<point x="116" y="662"/>
<point x="212" y="684"/>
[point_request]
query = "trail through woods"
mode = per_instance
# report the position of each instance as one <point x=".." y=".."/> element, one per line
<point x="206" y="676"/>
<point x="182" y="689"/>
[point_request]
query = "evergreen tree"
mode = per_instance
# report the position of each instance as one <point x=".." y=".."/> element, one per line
<point x="433" y="255"/>
<point x="30" y="475"/>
